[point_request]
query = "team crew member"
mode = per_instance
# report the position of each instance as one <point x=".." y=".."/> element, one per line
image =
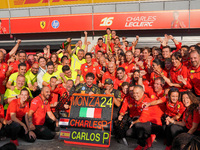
<point x="18" y="112"/>
<point x="194" y="72"/>
<point x="148" y="123"/>
<point x="129" y="105"/>
<point x="3" y="122"/>
<point x="166" y="52"/>
<point x="124" y="91"/>
<point x="12" y="79"/>
<point x="88" y="87"/>
<point x="69" y="74"/>
<point x="190" y="121"/>
<point x="3" y="70"/>
<point x="89" y="67"/>
<point x="77" y="60"/>
<point x="121" y="77"/>
<point x="129" y="66"/>
<point x="31" y="75"/>
<point x="42" y="70"/>
<point x="13" y="94"/>
<point x="156" y="65"/>
<point x="117" y="96"/>
<point x="50" y="73"/>
<point x="101" y="46"/>
<point x="39" y="108"/>
<point x="177" y="72"/>
<point x="111" y="73"/>
<point x="21" y="59"/>
<point x="64" y="61"/>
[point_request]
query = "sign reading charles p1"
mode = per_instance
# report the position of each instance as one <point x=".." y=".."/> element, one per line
<point x="90" y="120"/>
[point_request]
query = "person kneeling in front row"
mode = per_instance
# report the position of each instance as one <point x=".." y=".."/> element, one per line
<point x="41" y="125"/>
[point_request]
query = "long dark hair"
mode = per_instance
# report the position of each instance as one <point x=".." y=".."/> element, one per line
<point x="173" y="89"/>
<point x="194" y="101"/>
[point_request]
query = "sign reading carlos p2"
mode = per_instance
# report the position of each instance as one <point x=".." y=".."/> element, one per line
<point x="90" y="120"/>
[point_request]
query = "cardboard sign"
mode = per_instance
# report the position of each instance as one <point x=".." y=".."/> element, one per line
<point x="86" y="137"/>
<point x="90" y="120"/>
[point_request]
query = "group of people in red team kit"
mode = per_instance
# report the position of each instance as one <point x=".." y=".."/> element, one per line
<point x="156" y="90"/>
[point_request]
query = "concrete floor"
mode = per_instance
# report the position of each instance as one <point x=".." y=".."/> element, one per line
<point x="57" y="144"/>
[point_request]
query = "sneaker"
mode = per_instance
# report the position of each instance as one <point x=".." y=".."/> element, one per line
<point x="168" y="147"/>
<point x="139" y="147"/>
<point x="150" y="140"/>
<point x="15" y="142"/>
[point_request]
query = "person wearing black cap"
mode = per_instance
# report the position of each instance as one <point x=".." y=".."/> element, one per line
<point x="117" y="96"/>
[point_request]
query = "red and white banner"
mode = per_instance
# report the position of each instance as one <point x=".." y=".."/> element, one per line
<point x="142" y="20"/>
<point x="115" y="21"/>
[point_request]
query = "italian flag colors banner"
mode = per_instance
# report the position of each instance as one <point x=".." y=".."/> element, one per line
<point x="87" y="112"/>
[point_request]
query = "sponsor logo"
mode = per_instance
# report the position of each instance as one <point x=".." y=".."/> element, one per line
<point x="55" y="24"/>
<point x="42" y="24"/>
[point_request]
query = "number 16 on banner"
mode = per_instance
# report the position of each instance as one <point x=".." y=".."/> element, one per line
<point x="107" y="21"/>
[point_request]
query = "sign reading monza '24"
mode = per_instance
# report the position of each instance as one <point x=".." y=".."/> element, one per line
<point x="90" y="120"/>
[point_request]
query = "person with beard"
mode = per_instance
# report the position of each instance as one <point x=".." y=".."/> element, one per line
<point x="194" y="72"/>
<point x="39" y="109"/>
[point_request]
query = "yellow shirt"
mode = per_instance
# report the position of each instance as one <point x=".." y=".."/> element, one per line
<point x="13" y="78"/>
<point x="31" y="77"/>
<point x="74" y="76"/>
<point x="77" y="49"/>
<point x="76" y="63"/>
<point x="10" y="94"/>
<point x="48" y="76"/>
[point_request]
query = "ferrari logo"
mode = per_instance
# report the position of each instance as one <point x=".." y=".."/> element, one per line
<point x="42" y="24"/>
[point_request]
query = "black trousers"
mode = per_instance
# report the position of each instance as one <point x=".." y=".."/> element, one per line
<point x="144" y="131"/>
<point x="121" y="128"/>
<point x="173" y="130"/>
<point x="45" y="131"/>
<point x="15" y="130"/>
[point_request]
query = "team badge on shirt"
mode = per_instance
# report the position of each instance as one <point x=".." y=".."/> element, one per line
<point x="126" y="67"/>
<point x="130" y="105"/>
<point x="83" y="88"/>
<point x="152" y="96"/>
<point x="85" y="69"/>
<point x="191" y="77"/>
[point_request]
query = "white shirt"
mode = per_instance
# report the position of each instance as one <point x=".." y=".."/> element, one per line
<point x="41" y="73"/>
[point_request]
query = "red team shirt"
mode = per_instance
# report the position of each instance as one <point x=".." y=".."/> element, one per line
<point x="15" y="66"/>
<point x="1" y="111"/>
<point x="107" y="75"/>
<point x="175" y="72"/>
<point x="85" y="69"/>
<point x="3" y="70"/>
<point x="118" y="83"/>
<point x="189" y="119"/>
<point x="174" y="109"/>
<point x="40" y="108"/>
<point x="14" y="107"/>
<point x="129" y="67"/>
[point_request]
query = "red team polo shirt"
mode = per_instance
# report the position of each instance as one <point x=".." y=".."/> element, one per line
<point x="129" y="67"/>
<point x="194" y="79"/>
<point x="134" y="107"/>
<point x="15" y="66"/>
<point x="98" y="48"/>
<point x="174" y="109"/>
<point x="118" y="83"/>
<point x="1" y="111"/>
<point x="3" y="70"/>
<point x="160" y="109"/>
<point x="14" y="107"/>
<point x="189" y="119"/>
<point x="85" y="69"/>
<point x="175" y="72"/>
<point x="40" y="108"/>
<point x="107" y="75"/>
<point x="153" y="76"/>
